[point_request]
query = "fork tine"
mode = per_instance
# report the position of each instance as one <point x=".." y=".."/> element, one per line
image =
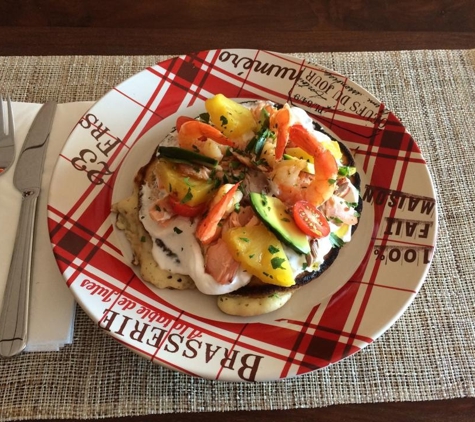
<point x="11" y="130"/>
<point x="6" y="120"/>
<point x="2" y="121"/>
<point x="1" y="114"/>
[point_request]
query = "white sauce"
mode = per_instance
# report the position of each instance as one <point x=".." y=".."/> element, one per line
<point x="299" y="116"/>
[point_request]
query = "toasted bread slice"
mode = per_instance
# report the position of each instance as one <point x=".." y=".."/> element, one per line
<point x="127" y="211"/>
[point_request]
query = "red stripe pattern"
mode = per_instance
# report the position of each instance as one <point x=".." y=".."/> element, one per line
<point x="395" y="239"/>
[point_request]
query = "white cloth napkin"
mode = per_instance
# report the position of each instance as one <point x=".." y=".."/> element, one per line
<point x="52" y="306"/>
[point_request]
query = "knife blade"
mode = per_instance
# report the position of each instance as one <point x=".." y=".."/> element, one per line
<point x="27" y="179"/>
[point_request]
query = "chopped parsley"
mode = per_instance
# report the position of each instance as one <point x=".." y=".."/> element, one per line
<point x="224" y="120"/>
<point x="336" y="241"/>
<point x="204" y="117"/>
<point x="277" y="263"/>
<point x="346" y="171"/>
<point x="264" y="199"/>
<point x="272" y="249"/>
<point x="188" y="197"/>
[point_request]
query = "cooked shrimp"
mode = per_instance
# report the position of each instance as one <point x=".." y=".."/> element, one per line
<point x="208" y="229"/>
<point x="268" y="154"/>
<point x="203" y="138"/>
<point x="280" y="122"/>
<point x="259" y="106"/>
<point x="323" y="184"/>
<point x="326" y="168"/>
<point x="287" y="176"/>
<point x="262" y="105"/>
<point x="223" y="191"/>
<point x="196" y="130"/>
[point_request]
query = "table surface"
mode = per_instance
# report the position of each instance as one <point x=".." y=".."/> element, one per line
<point x="120" y="27"/>
<point x="44" y="27"/>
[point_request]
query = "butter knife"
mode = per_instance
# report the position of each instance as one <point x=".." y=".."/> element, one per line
<point x="27" y="179"/>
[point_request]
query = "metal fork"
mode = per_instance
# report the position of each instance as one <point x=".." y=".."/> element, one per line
<point x="7" y="136"/>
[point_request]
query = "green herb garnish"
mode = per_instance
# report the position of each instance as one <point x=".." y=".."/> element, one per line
<point x="336" y="241"/>
<point x="277" y="263"/>
<point x="204" y="117"/>
<point x="188" y="197"/>
<point x="346" y="171"/>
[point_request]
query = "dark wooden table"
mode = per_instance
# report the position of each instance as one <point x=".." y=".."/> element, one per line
<point x="61" y="27"/>
<point x="128" y="27"/>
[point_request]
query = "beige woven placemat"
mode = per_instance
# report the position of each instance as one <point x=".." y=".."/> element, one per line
<point x="428" y="354"/>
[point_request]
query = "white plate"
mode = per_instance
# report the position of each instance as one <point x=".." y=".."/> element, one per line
<point x="360" y="296"/>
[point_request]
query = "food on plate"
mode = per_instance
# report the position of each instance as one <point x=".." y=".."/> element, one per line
<point x="248" y="202"/>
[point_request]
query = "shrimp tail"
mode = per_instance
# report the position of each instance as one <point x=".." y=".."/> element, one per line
<point x="194" y="130"/>
<point x="304" y="139"/>
<point x="280" y="121"/>
<point x="326" y="168"/>
<point x="208" y="229"/>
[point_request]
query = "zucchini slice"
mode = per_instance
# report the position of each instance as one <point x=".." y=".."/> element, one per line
<point x="272" y="212"/>
<point x="181" y="155"/>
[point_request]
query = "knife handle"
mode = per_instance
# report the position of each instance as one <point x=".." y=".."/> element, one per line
<point x="14" y="315"/>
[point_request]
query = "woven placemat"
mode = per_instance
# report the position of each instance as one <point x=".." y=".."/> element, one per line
<point x="428" y="354"/>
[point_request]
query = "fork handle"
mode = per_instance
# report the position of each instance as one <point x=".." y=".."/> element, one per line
<point x="14" y="315"/>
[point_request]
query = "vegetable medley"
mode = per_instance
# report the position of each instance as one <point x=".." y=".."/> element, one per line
<point x="266" y="191"/>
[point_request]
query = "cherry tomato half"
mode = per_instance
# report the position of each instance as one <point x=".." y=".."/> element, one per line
<point x="185" y="210"/>
<point x="310" y="220"/>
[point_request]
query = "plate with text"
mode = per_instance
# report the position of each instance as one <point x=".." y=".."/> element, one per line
<point x="372" y="282"/>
